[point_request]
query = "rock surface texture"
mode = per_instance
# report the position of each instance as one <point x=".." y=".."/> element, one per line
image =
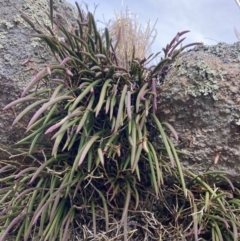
<point x="202" y="102"/>
<point x="17" y="45"/>
<point x="203" y="105"/>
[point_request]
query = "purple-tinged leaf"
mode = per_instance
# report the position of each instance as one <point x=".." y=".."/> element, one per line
<point x="28" y="21"/>
<point x="26" y="191"/>
<point x="142" y="96"/>
<point x="150" y="56"/>
<point x="59" y="81"/>
<point x="45" y="107"/>
<point x="55" y="204"/>
<point x="221" y="219"/>
<point x="15" y="102"/>
<point x="27" y="61"/>
<point x="230" y="183"/>
<point x="49" y="70"/>
<point x="174" y="40"/>
<point x="129" y="106"/>
<point x="102" y="97"/>
<point x="165" y="140"/>
<point x="86" y="149"/>
<point x="115" y="191"/>
<point x="191" y="195"/>
<point x="171" y="129"/>
<point x="11" y="225"/>
<point x="235" y="230"/>
<point x="56" y="91"/>
<point x="65" y="127"/>
<point x="119" y="68"/>
<point x="69" y="215"/>
<point x="33" y="81"/>
<point x="161" y="63"/>
<point x="26" y="110"/>
<point x="69" y="72"/>
<point x="25" y="170"/>
<point x="216" y="159"/>
<point x="192" y="44"/>
<point x="120" y="109"/>
<point x="127" y="201"/>
<point x="115" y="89"/>
<point x="77" y="188"/>
<point x="55" y="126"/>
<point x="100" y="56"/>
<point x="52" y="128"/>
<point x="175" y="46"/>
<point x="143" y="88"/>
<point x="6" y="168"/>
<point x="64" y="61"/>
<point x="154" y="90"/>
<point x="6" y="210"/>
<point x="167" y="48"/>
<point x="101" y="156"/>
<point x="177" y="37"/>
<point x="66" y="230"/>
<point x="105" y="209"/>
<point x="57" y="143"/>
<point x="150" y="59"/>
<point x="164" y="51"/>
<point x="107" y="104"/>
<point x="29" y="229"/>
<point x="40" y="169"/>
<point x="28" y="69"/>
<point x="183" y="32"/>
<point x="82" y="85"/>
<point x="36" y="216"/>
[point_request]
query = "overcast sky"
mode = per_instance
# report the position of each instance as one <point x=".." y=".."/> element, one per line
<point x="210" y="21"/>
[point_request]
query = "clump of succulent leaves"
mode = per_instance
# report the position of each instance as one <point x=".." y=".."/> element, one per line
<point x="89" y="161"/>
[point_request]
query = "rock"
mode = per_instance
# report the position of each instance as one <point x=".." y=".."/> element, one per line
<point x="202" y="103"/>
<point x="17" y="45"/>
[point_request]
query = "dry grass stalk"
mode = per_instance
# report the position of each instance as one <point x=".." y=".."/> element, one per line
<point x="130" y="34"/>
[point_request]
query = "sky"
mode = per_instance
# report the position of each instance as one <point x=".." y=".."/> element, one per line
<point x="210" y="21"/>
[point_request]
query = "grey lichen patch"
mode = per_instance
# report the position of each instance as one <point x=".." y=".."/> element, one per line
<point x="238" y="122"/>
<point x="203" y="79"/>
<point x="38" y="9"/>
<point x="8" y="24"/>
<point x="18" y="19"/>
<point x="226" y="52"/>
<point x="2" y="37"/>
<point x="16" y="41"/>
<point x="9" y="60"/>
<point x="35" y="42"/>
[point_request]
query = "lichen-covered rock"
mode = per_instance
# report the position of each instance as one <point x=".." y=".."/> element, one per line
<point x="17" y="45"/>
<point x="203" y="105"/>
<point x="202" y="101"/>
